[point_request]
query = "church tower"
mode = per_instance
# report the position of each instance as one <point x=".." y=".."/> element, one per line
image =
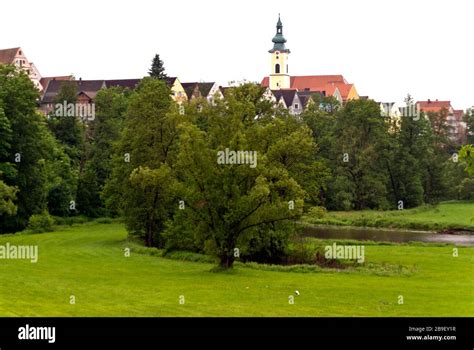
<point x="279" y="77"/>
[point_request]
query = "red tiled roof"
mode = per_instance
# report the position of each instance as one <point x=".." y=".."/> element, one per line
<point x="8" y="55"/>
<point x="434" y="106"/>
<point x="318" y="83"/>
<point x="315" y="81"/>
<point x="344" y="89"/>
<point x="329" y="89"/>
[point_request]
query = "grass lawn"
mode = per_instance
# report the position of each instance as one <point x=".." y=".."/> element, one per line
<point x="446" y="215"/>
<point x="88" y="261"/>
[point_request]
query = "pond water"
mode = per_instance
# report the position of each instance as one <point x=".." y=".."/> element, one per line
<point x="385" y="235"/>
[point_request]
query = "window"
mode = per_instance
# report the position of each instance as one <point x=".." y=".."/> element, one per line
<point x="297" y="106"/>
<point x="277" y="68"/>
<point x="287" y="68"/>
<point x="278" y="57"/>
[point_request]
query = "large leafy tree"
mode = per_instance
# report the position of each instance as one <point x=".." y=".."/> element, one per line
<point x="150" y="201"/>
<point x="27" y="153"/>
<point x="359" y="138"/>
<point x="469" y="120"/>
<point x="404" y="159"/>
<point x="467" y="157"/>
<point x="239" y="206"/>
<point x="434" y="159"/>
<point x="104" y="131"/>
<point x="68" y="130"/>
<point x="7" y="199"/>
<point x="147" y="140"/>
<point x="7" y="193"/>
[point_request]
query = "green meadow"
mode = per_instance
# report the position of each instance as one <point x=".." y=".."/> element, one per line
<point x="446" y="215"/>
<point x="89" y="262"/>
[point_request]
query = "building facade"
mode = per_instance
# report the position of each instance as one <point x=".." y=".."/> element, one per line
<point x="16" y="57"/>
<point x="300" y="88"/>
<point x="454" y="118"/>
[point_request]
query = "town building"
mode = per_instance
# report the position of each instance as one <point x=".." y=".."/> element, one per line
<point x="208" y="90"/>
<point x="295" y="92"/>
<point x="16" y="57"/>
<point x="87" y="90"/>
<point x="454" y="118"/>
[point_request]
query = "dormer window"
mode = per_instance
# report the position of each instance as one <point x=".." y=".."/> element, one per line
<point x="297" y="106"/>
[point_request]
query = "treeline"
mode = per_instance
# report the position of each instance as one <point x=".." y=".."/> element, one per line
<point x="378" y="163"/>
<point x="154" y="163"/>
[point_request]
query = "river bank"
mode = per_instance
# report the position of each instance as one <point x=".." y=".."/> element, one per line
<point x="331" y="232"/>
<point x="452" y="217"/>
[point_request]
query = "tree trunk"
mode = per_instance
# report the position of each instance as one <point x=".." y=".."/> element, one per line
<point x="227" y="261"/>
<point x="149" y="235"/>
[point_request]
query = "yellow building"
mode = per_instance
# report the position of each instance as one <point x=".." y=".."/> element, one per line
<point x="279" y="77"/>
<point x="324" y="85"/>
<point x="178" y="93"/>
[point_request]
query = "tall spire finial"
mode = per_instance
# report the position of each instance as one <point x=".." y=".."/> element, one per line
<point x="279" y="40"/>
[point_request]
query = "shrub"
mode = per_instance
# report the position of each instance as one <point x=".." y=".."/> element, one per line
<point x="466" y="189"/>
<point x="103" y="220"/>
<point x="179" y="235"/>
<point x="41" y="222"/>
<point x="266" y="245"/>
<point x="305" y="251"/>
<point x="301" y="253"/>
<point x="189" y="256"/>
<point x="317" y="212"/>
<point x="70" y="220"/>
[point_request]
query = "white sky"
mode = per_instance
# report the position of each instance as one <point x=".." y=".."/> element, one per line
<point x="387" y="48"/>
